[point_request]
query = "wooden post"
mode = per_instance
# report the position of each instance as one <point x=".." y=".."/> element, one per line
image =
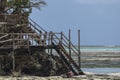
<point x="19" y="39"/>
<point x="40" y="39"/>
<point x="49" y="39"/>
<point x="70" y="47"/>
<point x="45" y="37"/>
<point x="13" y="56"/>
<point x="32" y="39"/>
<point x="79" y="55"/>
<point x="61" y="38"/>
<point x="13" y="53"/>
<point x="51" y="42"/>
<point x="28" y="40"/>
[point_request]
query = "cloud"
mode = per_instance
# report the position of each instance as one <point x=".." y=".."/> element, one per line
<point x="98" y="1"/>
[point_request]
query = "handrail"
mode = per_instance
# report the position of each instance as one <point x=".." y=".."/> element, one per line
<point x="34" y="27"/>
<point x="37" y="25"/>
<point x="31" y="38"/>
<point x="64" y="42"/>
<point x="70" y="42"/>
<point x="3" y="36"/>
<point x="68" y="47"/>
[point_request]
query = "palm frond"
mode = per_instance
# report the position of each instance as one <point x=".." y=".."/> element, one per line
<point x="37" y="3"/>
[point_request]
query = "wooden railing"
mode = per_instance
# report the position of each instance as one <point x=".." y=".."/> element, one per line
<point x="11" y="19"/>
<point x="4" y="18"/>
<point x="68" y="50"/>
<point x="36" y="27"/>
<point x="60" y="38"/>
<point x="22" y="39"/>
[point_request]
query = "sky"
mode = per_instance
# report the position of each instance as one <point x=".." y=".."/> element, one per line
<point x="97" y="20"/>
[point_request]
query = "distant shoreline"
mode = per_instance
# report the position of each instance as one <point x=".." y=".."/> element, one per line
<point x="100" y="51"/>
<point x="100" y="45"/>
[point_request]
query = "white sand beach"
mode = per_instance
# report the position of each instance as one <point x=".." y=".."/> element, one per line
<point x="88" y="76"/>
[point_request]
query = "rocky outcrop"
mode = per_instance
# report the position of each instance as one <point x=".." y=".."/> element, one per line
<point x="37" y="62"/>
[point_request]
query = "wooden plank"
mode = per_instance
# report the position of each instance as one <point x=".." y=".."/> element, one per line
<point x="6" y="41"/>
<point x="4" y="36"/>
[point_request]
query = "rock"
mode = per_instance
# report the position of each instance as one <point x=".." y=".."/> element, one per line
<point x="37" y="63"/>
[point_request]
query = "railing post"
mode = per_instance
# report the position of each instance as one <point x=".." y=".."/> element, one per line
<point x="32" y="40"/>
<point x="51" y="39"/>
<point x="45" y="36"/>
<point x="13" y="53"/>
<point x="28" y="39"/>
<point x="61" y="38"/>
<point x="79" y="55"/>
<point x="70" y="46"/>
<point x="40" y="39"/>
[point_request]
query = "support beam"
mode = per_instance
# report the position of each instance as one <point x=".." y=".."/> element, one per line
<point x="61" y="38"/>
<point x="51" y="33"/>
<point x="70" y="47"/>
<point x="13" y="54"/>
<point x="79" y="55"/>
<point x="4" y="36"/>
<point x="6" y="41"/>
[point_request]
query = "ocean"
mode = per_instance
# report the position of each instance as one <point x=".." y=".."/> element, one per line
<point x="100" y="48"/>
<point x="100" y="59"/>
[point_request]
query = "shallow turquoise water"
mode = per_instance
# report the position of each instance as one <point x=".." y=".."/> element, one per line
<point x="101" y="70"/>
<point x="100" y="48"/>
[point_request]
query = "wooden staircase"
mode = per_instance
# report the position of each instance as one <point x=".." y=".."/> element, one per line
<point x="59" y="42"/>
<point x="70" y="63"/>
<point x="35" y="35"/>
<point x="61" y="45"/>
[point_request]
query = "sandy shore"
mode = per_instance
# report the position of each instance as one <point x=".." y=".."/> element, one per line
<point x="88" y="76"/>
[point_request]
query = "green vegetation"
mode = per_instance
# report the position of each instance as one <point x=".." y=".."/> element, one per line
<point x="19" y="6"/>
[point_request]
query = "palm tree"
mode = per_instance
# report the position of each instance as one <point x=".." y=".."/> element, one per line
<point x="19" y="6"/>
